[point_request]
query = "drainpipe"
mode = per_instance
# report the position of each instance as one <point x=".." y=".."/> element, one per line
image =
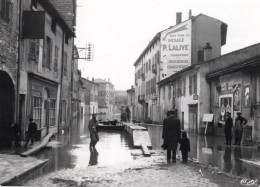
<point x="61" y="81"/>
<point x="18" y="62"/>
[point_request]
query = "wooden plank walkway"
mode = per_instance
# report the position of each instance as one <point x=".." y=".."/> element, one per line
<point x="38" y="147"/>
<point x="140" y="137"/>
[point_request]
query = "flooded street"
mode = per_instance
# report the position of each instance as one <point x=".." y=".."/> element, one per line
<point x="115" y="153"/>
<point x="212" y="150"/>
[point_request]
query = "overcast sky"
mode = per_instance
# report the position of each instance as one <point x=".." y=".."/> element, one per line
<point x="121" y="29"/>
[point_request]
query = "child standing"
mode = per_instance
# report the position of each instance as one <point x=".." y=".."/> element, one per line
<point x="185" y="146"/>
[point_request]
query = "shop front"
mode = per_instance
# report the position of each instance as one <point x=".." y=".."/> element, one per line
<point x="43" y="105"/>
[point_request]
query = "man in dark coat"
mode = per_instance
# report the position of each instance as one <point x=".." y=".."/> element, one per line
<point x="228" y="128"/>
<point x="171" y="134"/>
<point x="32" y="130"/>
<point x="239" y="123"/>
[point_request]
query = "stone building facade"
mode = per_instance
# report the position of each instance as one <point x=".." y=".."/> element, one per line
<point x="9" y="24"/>
<point x="45" y="73"/>
<point x="106" y="99"/>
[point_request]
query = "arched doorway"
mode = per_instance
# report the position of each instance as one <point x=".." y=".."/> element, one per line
<point x="7" y="105"/>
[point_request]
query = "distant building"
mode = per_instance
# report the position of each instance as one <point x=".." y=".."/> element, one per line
<point x="170" y="51"/>
<point x="131" y="101"/>
<point x="89" y="101"/>
<point x="106" y="99"/>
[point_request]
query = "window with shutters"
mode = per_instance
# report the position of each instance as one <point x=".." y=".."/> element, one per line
<point x="190" y="85"/>
<point x="5" y="10"/>
<point x="56" y="58"/>
<point x="179" y="88"/>
<point x="37" y="110"/>
<point x="195" y="83"/>
<point x="65" y="64"/>
<point x="34" y="50"/>
<point x="47" y="53"/>
<point x="52" y="113"/>
<point x="184" y="87"/>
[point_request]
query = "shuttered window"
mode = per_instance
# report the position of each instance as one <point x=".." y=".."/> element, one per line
<point x="5" y="10"/>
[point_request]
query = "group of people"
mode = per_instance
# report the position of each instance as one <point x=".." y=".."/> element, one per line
<point x="30" y="135"/>
<point x="172" y="135"/>
<point x="238" y="128"/>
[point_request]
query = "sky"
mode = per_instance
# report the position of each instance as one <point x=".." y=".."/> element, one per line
<point x="121" y="29"/>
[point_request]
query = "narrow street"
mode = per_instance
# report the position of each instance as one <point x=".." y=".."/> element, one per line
<point x="117" y="163"/>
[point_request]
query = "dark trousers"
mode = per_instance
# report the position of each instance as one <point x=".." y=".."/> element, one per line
<point x="171" y="151"/>
<point x="31" y="136"/>
<point x="17" y="139"/>
<point x="184" y="156"/>
<point x="228" y="135"/>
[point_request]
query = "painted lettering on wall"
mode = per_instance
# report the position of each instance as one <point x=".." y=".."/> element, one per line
<point x="175" y="49"/>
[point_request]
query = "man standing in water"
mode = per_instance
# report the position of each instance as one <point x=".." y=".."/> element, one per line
<point x="171" y="135"/>
<point x="238" y="130"/>
<point x="228" y="128"/>
<point x="93" y="131"/>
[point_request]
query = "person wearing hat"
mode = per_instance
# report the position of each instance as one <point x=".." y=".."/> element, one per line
<point x="93" y="130"/>
<point x="228" y="128"/>
<point x="238" y="130"/>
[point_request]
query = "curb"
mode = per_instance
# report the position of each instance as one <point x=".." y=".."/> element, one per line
<point x="19" y="174"/>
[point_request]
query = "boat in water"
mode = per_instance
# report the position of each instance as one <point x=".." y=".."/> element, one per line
<point x="111" y="125"/>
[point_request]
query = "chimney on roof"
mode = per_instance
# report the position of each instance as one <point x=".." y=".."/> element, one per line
<point x="132" y="87"/>
<point x="190" y="14"/>
<point x="207" y="52"/>
<point x="178" y="18"/>
<point x="93" y="79"/>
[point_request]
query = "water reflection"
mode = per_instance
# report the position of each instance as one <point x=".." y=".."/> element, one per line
<point x="212" y="150"/>
<point x="93" y="160"/>
<point x="227" y="159"/>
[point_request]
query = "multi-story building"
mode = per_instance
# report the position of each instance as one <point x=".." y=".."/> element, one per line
<point x="9" y="24"/>
<point x="229" y="83"/>
<point x="170" y="51"/>
<point x="46" y="49"/>
<point x="120" y="103"/>
<point x="131" y="101"/>
<point x="187" y="92"/>
<point x="76" y="94"/>
<point x="106" y="99"/>
<point x="89" y="101"/>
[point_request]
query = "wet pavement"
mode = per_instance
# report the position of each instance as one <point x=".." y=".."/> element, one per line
<point x="117" y="163"/>
<point x="243" y="161"/>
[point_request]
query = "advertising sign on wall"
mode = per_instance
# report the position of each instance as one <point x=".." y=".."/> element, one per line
<point x="175" y="49"/>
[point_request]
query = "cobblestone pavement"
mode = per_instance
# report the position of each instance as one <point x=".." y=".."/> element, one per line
<point x="142" y="171"/>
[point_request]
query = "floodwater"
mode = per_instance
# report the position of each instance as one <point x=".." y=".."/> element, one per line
<point x="114" y="149"/>
<point x="241" y="161"/>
